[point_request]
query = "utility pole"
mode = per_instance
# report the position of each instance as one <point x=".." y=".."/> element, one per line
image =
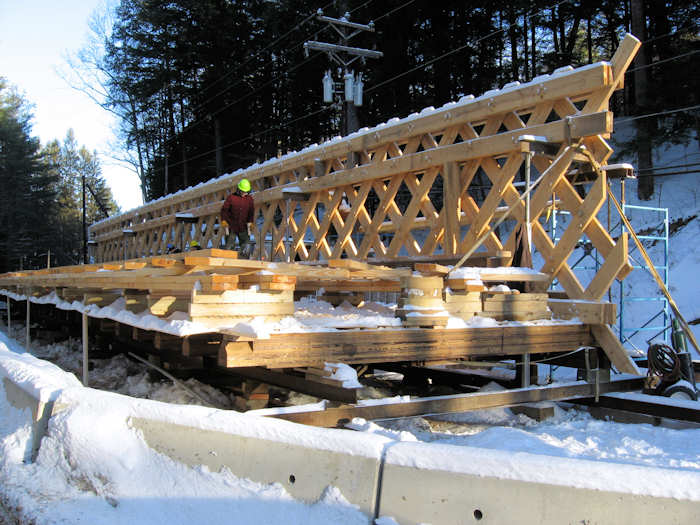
<point x="85" y="251"/>
<point x="350" y="90"/>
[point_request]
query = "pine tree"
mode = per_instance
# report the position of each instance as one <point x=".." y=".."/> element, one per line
<point x="27" y="199"/>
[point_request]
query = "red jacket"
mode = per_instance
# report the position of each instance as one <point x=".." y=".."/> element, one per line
<point x="238" y="210"/>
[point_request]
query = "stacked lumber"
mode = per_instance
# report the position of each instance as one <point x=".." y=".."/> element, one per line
<point x="233" y="306"/>
<point x="512" y="305"/>
<point x="421" y="302"/>
<point x="463" y="303"/>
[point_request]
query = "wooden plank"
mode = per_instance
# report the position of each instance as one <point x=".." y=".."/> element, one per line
<point x="464" y="284"/>
<point x="392" y="345"/>
<point x="225" y="262"/>
<point x="515" y="306"/>
<point x="333" y="417"/>
<point x="588" y="312"/>
<point x="296" y="383"/>
<point x="416" y="318"/>
<point x="610" y="344"/>
<point x="481" y="259"/>
<point x="350" y="286"/>
<point x="491" y="297"/>
<point x="429" y="269"/>
<point x="657" y="406"/>
<point x="242" y="297"/>
<point x="165" y="305"/>
<point x="241" y="310"/>
<point x="517" y="315"/>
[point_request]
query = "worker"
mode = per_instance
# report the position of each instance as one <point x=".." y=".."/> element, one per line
<point x="238" y="213"/>
<point x="170" y="248"/>
<point x="194" y="245"/>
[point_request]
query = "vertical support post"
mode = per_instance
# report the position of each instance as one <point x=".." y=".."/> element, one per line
<point x="85" y="349"/>
<point x="28" y="340"/>
<point x="526" y="371"/>
<point x="528" y="225"/>
<point x="528" y="232"/>
<point x="287" y="240"/>
<point x="452" y="209"/>
<point x="9" y="316"/>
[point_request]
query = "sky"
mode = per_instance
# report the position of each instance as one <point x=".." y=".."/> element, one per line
<point x="35" y="36"/>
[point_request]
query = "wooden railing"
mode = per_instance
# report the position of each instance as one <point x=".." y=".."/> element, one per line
<point x="342" y="198"/>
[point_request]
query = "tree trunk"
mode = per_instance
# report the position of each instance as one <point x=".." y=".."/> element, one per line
<point x="217" y="145"/>
<point x="533" y="47"/>
<point x="513" y="38"/>
<point x="526" y="52"/>
<point x="645" y="126"/>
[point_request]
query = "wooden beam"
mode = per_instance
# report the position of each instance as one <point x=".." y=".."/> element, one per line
<point x="451" y="203"/>
<point x="657" y="406"/>
<point x="588" y="312"/>
<point x="482" y="147"/>
<point x="616" y="261"/>
<point x="618" y="356"/>
<point x="333" y="417"/>
<point x="296" y="383"/>
<point x="393" y="345"/>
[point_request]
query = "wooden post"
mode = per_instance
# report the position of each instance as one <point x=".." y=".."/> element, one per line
<point x="451" y="205"/>
<point x="85" y="349"/>
<point x="26" y="345"/>
<point x="526" y="370"/>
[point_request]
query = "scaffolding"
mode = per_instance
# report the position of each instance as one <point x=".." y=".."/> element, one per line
<point x="659" y="320"/>
<point x="657" y="316"/>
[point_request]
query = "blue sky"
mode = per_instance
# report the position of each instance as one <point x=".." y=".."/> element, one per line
<point x="35" y="35"/>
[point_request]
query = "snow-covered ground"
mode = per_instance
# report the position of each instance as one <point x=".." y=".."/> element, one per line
<point x="123" y="480"/>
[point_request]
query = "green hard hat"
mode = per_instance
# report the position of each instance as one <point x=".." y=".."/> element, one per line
<point x="244" y="185"/>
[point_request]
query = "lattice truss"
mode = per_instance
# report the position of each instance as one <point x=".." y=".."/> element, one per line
<point x="411" y="187"/>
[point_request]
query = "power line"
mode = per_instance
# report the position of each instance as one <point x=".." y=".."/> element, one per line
<point x="395" y="9"/>
<point x="688" y="165"/>
<point x="664" y="61"/>
<point x="679" y="31"/>
<point x="657" y="114"/>
<point x="361" y="6"/>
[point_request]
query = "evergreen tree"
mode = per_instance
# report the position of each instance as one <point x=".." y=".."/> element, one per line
<point x="72" y="164"/>
<point x="26" y="202"/>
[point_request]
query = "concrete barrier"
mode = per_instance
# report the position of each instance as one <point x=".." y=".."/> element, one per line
<point x="40" y="411"/>
<point x="304" y="472"/>
<point x="431" y="491"/>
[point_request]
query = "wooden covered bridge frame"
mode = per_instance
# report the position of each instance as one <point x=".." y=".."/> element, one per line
<point x="335" y="210"/>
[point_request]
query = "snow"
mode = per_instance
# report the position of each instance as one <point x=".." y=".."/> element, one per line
<point x="94" y="467"/>
<point x="473" y="272"/>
